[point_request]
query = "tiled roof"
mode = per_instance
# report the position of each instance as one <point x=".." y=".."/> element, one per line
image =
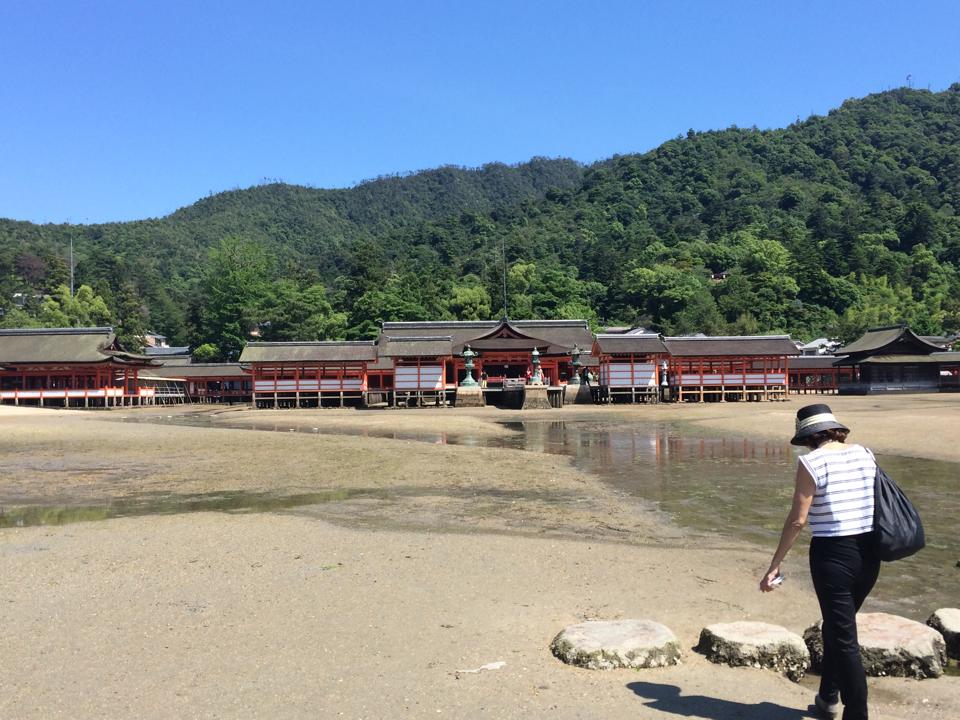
<point x="892" y="339"/>
<point x="317" y="351"/>
<point x="562" y="335"/>
<point x="196" y="370"/>
<point x="64" y="345"/>
<point x="742" y="345"/>
<point x="617" y="343"/>
<point x="162" y="351"/>
<point x="417" y="346"/>
<point x="903" y="359"/>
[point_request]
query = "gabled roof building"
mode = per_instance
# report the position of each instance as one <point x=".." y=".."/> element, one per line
<point x="70" y="367"/>
<point x="895" y="359"/>
<point x="746" y="367"/>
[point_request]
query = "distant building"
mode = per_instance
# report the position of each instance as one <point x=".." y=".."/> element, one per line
<point x="722" y="368"/>
<point x="895" y="359"/>
<point x="70" y="367"/>
<point x="632" y="366"/>
<point x="817" y="374"/>
<point x="415" y="363"/>
<point x="154" y="340"/>
<point x="169" y="355"/>
<point x="202" y="382"/>
<point x="820" y="346"/>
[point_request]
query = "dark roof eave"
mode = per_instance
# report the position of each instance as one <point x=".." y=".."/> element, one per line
<point x="876" y="339"/>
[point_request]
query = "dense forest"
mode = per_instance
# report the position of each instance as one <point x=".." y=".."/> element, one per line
<point x="827" y="227"/>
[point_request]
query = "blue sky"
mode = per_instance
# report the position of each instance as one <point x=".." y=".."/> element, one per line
<point x="119" y="110"/>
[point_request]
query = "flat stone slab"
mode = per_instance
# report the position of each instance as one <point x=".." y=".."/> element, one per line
<point x="607" y="644"/>
<point x="890" y="645"/>
<point x="946" y="621"/>
<point x="755" y="644"/>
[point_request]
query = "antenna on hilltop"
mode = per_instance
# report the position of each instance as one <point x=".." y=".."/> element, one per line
<point x="503" y="255"/>
<point x="909" y="80"/>
<point x="71" y="267"/>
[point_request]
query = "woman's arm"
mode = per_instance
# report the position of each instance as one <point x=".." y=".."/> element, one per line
<point x="802" y="497"/>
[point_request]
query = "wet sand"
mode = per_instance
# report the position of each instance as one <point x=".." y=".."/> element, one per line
<point x="911" y="425"/>
<point x="367" y="607"/>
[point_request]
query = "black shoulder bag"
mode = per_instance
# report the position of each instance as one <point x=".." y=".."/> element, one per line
<point x="897" y="530"/>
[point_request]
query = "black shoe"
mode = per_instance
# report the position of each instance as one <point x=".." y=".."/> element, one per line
<point x="829" y="709"/>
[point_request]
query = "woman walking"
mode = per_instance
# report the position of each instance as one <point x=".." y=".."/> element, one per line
<point x="834" y="490"/>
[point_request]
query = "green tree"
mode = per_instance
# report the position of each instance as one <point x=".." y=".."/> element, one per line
<point x="84" y="309"/>
<point x="290" y="312"/>
<point x="208" y="352"/>
<point x="14" y="317"/>
<point x="233" y="290"/>
<point x="470" y="301"/>
<point x="403" y="297"/>
<point x="131" y="317"/>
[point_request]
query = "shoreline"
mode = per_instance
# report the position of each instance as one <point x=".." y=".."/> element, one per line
<point x="907" y="425"/>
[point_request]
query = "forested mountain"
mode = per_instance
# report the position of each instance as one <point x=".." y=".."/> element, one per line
<point x="152" y="272"/>
<point x="828" y="226"/>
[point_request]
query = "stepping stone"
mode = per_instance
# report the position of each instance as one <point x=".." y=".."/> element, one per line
<point x="890" y="645"/>
<point x="755" y="644"/>
<point x="946" y="621"/>
<point x="607" y="644"/>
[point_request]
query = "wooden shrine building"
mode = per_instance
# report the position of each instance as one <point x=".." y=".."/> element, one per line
<point x="817" y="374"/>
<point x="632" y="366"/>
<point x="428" y="356"/>
<point x="308" y="374"/>
<point x="514" y="363"/>
<point x="424" y="369"/>
<point x="202" y="382"/>
<point x="70" y="367"/>
<point x="895" y="359"/>
<point x="747" y="367"/>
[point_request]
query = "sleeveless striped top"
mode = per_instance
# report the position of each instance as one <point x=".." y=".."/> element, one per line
<point x="843" y="501"/>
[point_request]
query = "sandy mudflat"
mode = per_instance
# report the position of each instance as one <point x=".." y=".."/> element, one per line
<point x="449" y="557"/>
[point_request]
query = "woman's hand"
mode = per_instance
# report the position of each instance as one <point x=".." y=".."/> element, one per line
<point x="766" y="582"/>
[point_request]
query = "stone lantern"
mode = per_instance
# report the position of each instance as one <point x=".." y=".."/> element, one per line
<point x="468" y="356"/>
<point x="537" y="376"/>
<point x="575" y="362"/>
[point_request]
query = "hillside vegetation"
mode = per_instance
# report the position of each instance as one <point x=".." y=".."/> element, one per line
<point x="829" y="226"/>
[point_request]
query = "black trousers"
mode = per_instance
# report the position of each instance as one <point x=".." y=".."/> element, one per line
<point x="844" y="570"/>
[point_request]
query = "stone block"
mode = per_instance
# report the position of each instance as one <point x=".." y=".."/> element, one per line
<point x="469" y="397"/>
<point x="755" y="644"/>
<point x="577" y="395"/>
<point x="535" y="397"/>
<point x="607" y="644"/>
<point x="889" y="645"/>
<point x="946" y="621"/>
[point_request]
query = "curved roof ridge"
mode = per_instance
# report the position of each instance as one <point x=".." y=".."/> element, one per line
<point x="104" y="330"/>
<point x="417" y="338"/>
<point x="292" y="343"/>
<point x="726" y="337"/>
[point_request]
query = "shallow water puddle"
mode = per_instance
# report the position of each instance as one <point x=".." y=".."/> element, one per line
<point x="66" y="512"/>
<point x="169" y="504"/>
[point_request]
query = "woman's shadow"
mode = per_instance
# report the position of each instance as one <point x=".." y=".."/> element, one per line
<point x="667" y="698"/>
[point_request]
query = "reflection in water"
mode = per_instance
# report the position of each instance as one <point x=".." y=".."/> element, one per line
<point x="743" y="488"/>
<point x="718" y="485"/>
